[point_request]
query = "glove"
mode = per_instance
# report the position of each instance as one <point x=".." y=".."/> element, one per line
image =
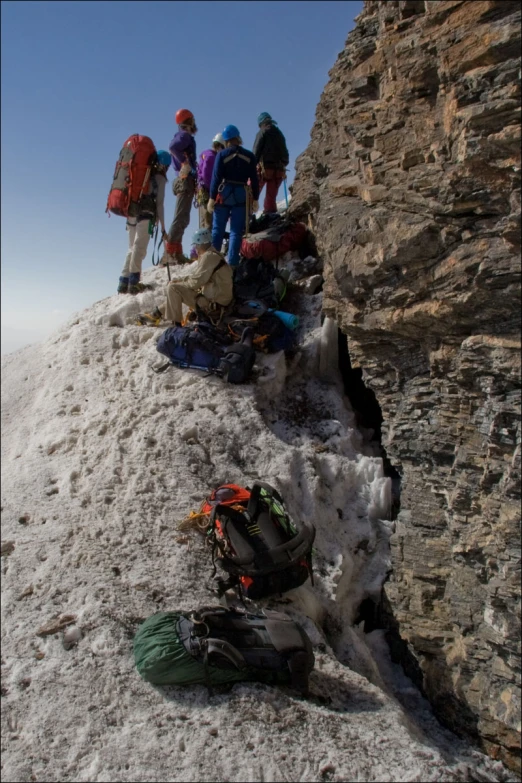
<point x="210" y="205"/>
<point x="255" y="206"/>
<point x="185" y="170"/>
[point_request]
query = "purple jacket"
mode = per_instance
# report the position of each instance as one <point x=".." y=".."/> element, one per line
<point x="206" y="167"/>
<point x="183" y="146"/>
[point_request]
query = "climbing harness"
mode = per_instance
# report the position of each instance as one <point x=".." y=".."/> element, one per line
<point x="248" y="197"/>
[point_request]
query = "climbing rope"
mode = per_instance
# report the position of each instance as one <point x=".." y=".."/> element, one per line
<point x="196" y="520"/>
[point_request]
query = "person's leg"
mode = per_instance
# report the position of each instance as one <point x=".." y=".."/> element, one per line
<point x="123" y="283"/>
<point x="262" y="183"/>
<point x="184" y="190"/>
<point x="139" y="250"/>
<point x="177" y="295"/>
<point x="219" y="224"/>
<point x="207" y="220"/>
<point x="274" y="180"/>
<point x="267" y="178"/>
<point x="271" y="195"/>
<point x="237" y="229"/>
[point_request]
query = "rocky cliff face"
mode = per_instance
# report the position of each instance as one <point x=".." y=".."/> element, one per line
<point x="411" y="185"/>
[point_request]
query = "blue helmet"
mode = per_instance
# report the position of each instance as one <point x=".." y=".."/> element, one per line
<point x="264" y="117"/>
<point x="202" y="236"/>
<point x="164" y="158"/>
<point x="231" y="132"/>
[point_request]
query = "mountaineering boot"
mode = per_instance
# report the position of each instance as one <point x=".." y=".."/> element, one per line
<point x="150" y="319"/>
<point x="174" y="254"/>
<point x="135" y="287"/>
<point x="179" y="258"/>
<point x="166" y="259"/>
<point x="139" y="288"/>
<point x="123" y="285"/>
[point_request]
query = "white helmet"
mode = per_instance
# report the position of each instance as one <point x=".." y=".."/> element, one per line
<point x="202" y="237"/>
<point x="218" y="139"/>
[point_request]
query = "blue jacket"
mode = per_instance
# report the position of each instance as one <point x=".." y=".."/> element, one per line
<point x="183" y="144"/>
<point x="237" y="165"/>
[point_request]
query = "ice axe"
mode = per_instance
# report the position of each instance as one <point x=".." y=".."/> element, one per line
<point x="157" y="249"/>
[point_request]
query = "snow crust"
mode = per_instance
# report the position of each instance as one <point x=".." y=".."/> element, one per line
<point x="101" y="458"/>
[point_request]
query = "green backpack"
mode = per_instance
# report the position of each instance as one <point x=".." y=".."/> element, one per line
<point x="216" y="646"/>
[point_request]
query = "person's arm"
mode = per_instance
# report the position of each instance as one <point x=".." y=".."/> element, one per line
<point x="286" y="157"/>
<point x="203" y="271"/>
<point x="179" y="144"/>
<point x="217" y="176"/>
<point x="161" y="181"/>
<point x="258" y="145"/>
<point x="206" y="169"/>
<point x="254" y="180"/>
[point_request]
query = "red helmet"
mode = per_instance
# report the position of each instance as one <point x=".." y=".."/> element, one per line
<point x="182" y="115"/>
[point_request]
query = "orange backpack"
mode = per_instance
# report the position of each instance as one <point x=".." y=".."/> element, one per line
<point x="131" y="181"/>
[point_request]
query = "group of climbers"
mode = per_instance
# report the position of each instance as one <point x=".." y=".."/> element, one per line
<point x="225" y="183"/>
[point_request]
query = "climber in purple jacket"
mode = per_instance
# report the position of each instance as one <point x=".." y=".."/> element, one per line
<point x="183" y="154"/>
<point x="205" y="169"/>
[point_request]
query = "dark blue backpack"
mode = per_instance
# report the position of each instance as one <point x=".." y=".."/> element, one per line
<point x="202" y="347"/>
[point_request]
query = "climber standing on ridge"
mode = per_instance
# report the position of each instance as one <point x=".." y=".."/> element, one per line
<point x="205" y="169"/>
<point x="231" y="195"/>
<point x="140" y="228"/>
<point x="183" y="152"/>
<point x="209" y="285"/>
<point x="272" y="159"/>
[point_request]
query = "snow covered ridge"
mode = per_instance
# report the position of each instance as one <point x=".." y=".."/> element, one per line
<point x="100" y="460"/>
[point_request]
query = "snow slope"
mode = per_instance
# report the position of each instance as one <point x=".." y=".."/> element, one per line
<point x="101" y="458"/>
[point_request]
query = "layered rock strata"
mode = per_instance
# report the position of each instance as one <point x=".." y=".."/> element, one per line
<point x="411" y="184"/>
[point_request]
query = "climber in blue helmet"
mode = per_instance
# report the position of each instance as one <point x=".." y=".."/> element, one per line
<point x="164" y="158"/>
<point x="208" y="286"/>
<point x="139" y="228"/>
<point x="272" y="159"/>
<point x="234" y="191"/>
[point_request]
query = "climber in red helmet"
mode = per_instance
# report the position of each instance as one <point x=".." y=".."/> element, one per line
<point x="183" y="153"/>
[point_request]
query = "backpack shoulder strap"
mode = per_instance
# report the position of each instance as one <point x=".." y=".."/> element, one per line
<point x="223" y="649"/>
<point x="220" y="264"/>
<point x="255" y="495"/>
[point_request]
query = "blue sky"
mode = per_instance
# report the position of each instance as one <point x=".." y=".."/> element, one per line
<point x="79" y="77"/>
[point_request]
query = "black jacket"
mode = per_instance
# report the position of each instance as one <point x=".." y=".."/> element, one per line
<point x="270" y="148"/>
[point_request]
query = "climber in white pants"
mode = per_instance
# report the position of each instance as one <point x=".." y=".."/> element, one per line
<point x="151" y="210"/>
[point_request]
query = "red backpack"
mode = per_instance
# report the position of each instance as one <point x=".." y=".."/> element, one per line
<point x="131" y="179"/>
